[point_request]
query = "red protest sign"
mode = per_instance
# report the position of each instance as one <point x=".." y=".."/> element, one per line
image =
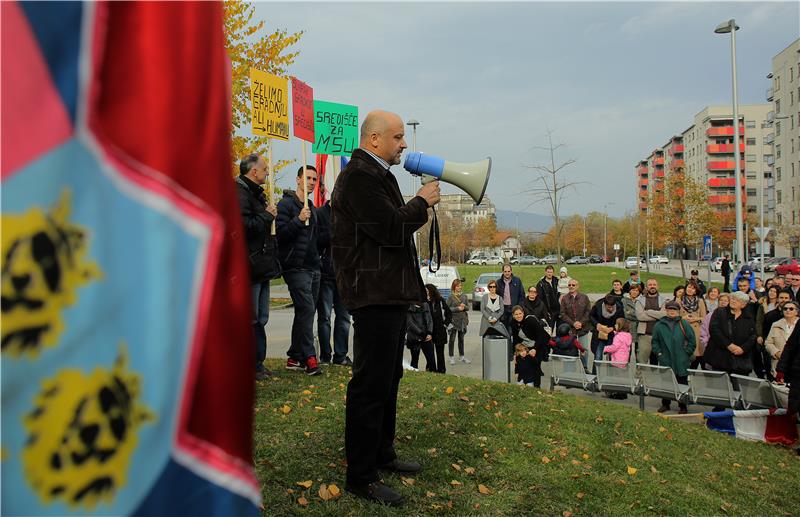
<point x="303" y="110"/>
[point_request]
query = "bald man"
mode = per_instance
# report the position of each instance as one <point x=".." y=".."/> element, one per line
<point x="375" y="262"/>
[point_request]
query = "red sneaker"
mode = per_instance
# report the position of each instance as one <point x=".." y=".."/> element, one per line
<point x="293" y="364"/>
<point x="312" y="368"/>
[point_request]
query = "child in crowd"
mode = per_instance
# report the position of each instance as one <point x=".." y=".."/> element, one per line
<point x="620" y="349"/>
<point x="566" y="344"/>
<point x="563" y="282"/>
<point x="525" y="366"/>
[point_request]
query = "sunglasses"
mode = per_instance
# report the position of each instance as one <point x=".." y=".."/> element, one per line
<point x="789" y="309"/>
<point x="572" y="285"/>
<point x="492" y="286"/>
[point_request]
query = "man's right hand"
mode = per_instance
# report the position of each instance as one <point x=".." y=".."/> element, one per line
<point x="430" y="192"/>
<point x="305" y="214"/>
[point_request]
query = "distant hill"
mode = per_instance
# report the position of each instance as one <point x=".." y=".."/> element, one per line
<point x="527" y="222"/>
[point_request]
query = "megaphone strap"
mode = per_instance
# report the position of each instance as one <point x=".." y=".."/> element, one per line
<point x="433" y="238"/>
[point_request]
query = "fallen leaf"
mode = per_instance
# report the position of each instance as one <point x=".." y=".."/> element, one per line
<point x="306" y="392"/>
<point x="662" y="429"/>
<point x="456" y="466"/>
<point x="580" y="495"/>
<point x="323" y="492"/>
<point x="289" y="491"/>
<point x="585" y="456"/>
<point x="407" y="481"/>
<point x="432" y="451"/>
<point x="632" y="471"/>
<point x="545" y="459"/>
<point x="307" y="434"/>
<point x="484" y="489"/>
<point x="462" y="397"/>
<point x="469" y="470"/>
<point x="736" y="465"/>
<point x="455" y="482"/>
<point x="449" y="390"/>
<point x="576" y="462"/>
<point x="599" y="419"/>
<point x="420" y="405"/>
<point x="302" y="501"/>
<point x="305" y="484"/>
<point x="653" y="469"/>
<point x="319" y="408"/>
<point x="334" y="491"/>
<point x="567" y="514"/>
<point x="646" y="457"/>
<point x="430" y="494"/>
<point x="286" y="409"/>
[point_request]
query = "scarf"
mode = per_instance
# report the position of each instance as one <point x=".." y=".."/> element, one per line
<point x="493" y="305"/>
<point x="607" y="314"/>
<point x="689" y="303"/>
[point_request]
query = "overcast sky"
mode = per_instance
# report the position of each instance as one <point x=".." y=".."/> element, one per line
<point x="612" y="81"/>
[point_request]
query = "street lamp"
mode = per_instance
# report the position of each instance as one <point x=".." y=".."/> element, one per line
<point x="413" y="123"/>
<point x="605" y="230"/>
<point x="725" y="28"/>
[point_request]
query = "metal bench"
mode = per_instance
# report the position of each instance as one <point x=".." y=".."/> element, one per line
<point x="618" y="378"/>
<point x="712" y="388"/>
<point x="756" y="393"/>
<point x="568" y="371"/>
<point x="660" y="381"/>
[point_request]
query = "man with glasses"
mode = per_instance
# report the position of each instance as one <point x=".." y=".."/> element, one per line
<point x="793" y="279"/>
<point x="257" y="218"/>
<point x="575" y="309"/>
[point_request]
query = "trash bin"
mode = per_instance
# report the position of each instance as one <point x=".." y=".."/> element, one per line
<point x="495" y="359"/>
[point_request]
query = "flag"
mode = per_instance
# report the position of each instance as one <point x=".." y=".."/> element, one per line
<point x="127" y="348"/>
<point x="763" y="425"/>
<point x="323" y="163"/>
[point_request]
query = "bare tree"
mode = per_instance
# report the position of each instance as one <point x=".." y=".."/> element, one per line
<point x="550" y="188"/>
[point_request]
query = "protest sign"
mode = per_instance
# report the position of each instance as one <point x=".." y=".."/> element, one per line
<point x="269" y="105"/>
<point x="335" y="128"/>
<point x="303" y="110"/>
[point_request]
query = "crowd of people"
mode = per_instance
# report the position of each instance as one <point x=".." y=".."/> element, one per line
<point x="750" y="331"/>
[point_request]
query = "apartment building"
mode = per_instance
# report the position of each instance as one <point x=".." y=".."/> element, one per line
<point x="784" y="140"/>
<point x="461" y="206"/>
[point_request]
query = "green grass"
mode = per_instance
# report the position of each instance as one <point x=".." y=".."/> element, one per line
<point x="593" y="279"/>
<point x="503" y="432"/>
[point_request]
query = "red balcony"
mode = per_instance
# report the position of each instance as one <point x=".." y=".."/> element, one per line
<point x="674" y="164"/>
<point x="723" y="148"/>
<point x="723" y="131"/>
<point x="676" y="149"/>
<point x="724" y="182"/>
<point x="643" y="205"/>
<point x="724" y="166"/>
<point x="642" y="171"/>
<point x="658" y="161"/>
<point x="722" y="200"/>
<point x="643" y="182"/>
<point x="658" y="174"/>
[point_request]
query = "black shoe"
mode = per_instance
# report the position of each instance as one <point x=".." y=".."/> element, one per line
<point x="663" y="409"/>
<point x="344" y="362"/>
<point x="377" y="492"/>
<point x="263" y="375"/>
<point x="396" y="465"/>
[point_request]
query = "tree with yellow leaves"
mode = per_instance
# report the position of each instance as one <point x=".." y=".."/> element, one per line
<point x="249" y="47"/>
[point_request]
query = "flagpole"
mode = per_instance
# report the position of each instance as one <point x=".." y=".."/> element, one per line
<point x="305" y="183"/>
<point x="271" y="182"/>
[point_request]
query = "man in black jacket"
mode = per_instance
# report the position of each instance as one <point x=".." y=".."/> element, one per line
<point x="375" y="261"/>
<point x="548" y="292"/>
<point x="725" y="269"/>
<point x="257" y="217"/>
<point x="300" y="262"/>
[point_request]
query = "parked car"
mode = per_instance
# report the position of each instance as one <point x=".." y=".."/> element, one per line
<point x="659" y="259"/>
<point x="596" y="259"/>
<point x="634" y="263"/>
<point x="773" y="264"/>
<point x="716" y="264"/>
<point x="493" y="260"/>
<point x="480" y="288"/>
<point x="577" y="259"/>
<point x="790" y="265"/>
<point x="527" y="260"/>
<point x="477" y="260"/>
<point x="550" y="259"/>
<point x="513" y="260"/>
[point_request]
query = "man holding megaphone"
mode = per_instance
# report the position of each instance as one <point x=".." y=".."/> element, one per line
<point x="378" y="277"/>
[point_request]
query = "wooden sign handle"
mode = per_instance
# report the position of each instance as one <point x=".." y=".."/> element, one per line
<point x="305" y="183"/>
<point x="271" y="183"/>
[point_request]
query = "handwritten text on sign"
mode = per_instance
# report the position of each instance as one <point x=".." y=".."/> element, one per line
<point x="303" y="110"/>
<point x="335" y="128"/>
<point x="269" y="96"/>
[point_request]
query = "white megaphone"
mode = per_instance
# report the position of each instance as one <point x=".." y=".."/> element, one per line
<point x="472" y="178"/>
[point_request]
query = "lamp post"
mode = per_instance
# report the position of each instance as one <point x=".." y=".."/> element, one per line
<point x="414" y="123"/>
<point x="605" y="230"/>
<point x="725" y="28"/>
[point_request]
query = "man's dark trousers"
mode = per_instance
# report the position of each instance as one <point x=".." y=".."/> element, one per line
<point x="260" y="294"/>
<point x="303" y="287"/>
<point x="329" y="300"/>
<point x="378" y="338"/>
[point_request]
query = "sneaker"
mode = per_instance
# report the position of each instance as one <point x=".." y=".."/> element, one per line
<point x="293" y="364"/>
<point x="465" y="360"/>
<point x="263" y="375"/>
<point x="452" y="360"/>
<point x="312" y="368"/>
<point x="344" y="362"/>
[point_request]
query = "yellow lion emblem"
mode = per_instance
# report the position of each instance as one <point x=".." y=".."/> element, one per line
<point x="43" y="265"/>
<point x="81" y="434"/>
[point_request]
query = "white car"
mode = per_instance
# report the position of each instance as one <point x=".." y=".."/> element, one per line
<point x="634" y="263"/>
<point x="477" y="261"/>
<point x="659" y="259"/>
<point x="716" y="264"/>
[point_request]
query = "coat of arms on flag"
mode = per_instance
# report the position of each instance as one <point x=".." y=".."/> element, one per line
<point x="125" y="304"/>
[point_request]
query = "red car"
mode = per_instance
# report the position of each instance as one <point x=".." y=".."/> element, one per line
<point x="788" y="266"/>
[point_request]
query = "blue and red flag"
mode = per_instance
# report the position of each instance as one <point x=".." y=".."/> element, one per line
<point x="126" y="340"/>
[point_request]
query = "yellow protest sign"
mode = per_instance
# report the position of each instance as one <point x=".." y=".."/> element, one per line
<point x="269" y="96"/>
